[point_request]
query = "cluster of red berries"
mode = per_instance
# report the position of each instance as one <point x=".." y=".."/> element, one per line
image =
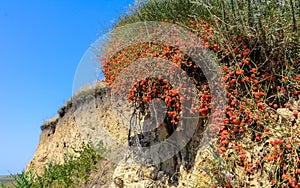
<point x="255" y="88"/>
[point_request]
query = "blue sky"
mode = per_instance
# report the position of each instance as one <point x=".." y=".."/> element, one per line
<point x="41" y="45"/>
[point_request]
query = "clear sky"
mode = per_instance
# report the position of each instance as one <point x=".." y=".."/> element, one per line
<point x="41" y="44"/>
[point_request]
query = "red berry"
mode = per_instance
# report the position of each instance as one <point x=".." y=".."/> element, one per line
<point x="280" y="141"/>
<point x="295" y="113"/>
<point x="215" y="47"/>
<point x="288" y="146"/>
<point x="243" y="156"/>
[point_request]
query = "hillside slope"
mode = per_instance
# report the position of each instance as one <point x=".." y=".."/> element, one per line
<point x="256" y="53"/>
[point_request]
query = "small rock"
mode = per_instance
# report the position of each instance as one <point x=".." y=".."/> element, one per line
<point x="160" y="174"/>
<point x="150" y="172"/>
<point x="119" y="182"/>
<point x="286" y="114"/>
<point x="136" y="179"/>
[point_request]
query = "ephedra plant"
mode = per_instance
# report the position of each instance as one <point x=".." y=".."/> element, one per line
<point x="257" y="47"/>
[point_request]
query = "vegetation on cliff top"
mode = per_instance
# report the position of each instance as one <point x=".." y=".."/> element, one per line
<point x="257" y="46"/>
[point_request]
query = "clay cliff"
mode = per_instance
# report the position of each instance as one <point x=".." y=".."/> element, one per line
<point x="86" y="114"/>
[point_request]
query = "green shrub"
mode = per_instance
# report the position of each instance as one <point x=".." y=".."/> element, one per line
<point x="74" y="171"/>
<point x="24" y="179"/>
